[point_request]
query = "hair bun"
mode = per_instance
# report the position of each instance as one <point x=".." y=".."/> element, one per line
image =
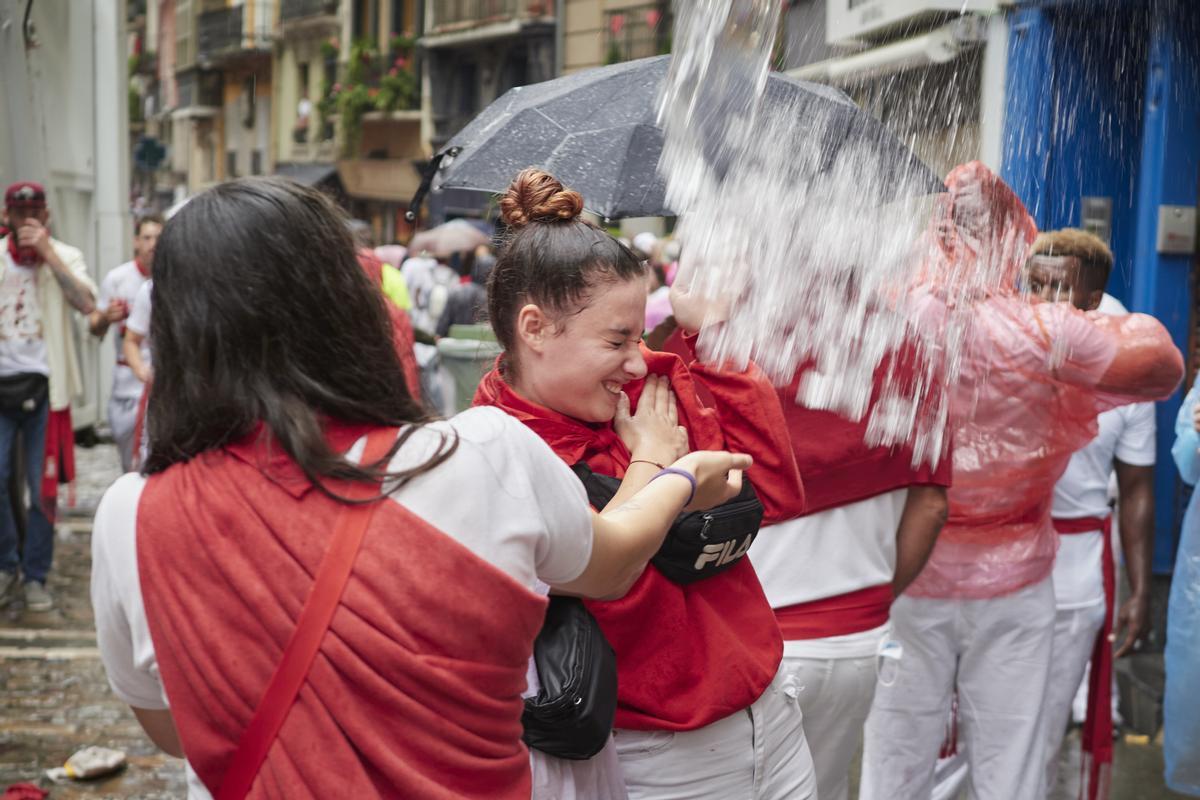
<point x="537" y="196"/>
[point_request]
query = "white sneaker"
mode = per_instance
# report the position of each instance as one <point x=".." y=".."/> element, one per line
<point x="37" y="598"/>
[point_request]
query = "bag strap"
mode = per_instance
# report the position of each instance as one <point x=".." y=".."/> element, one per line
<point x="323" y="599"/>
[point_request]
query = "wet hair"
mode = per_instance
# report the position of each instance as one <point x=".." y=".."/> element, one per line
<point x="157" y="219"/>
<point x="1090" y="249"/>
<point x="553" y="257"/>
<point x="263" y="314"/>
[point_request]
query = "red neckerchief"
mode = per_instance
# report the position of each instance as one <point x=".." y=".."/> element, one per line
<point x="21" y="256"/>
<point x="576" y="441"/>
<point x="145" y="271"/>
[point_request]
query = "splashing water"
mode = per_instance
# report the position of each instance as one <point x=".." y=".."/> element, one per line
<point x="803" y="220"/>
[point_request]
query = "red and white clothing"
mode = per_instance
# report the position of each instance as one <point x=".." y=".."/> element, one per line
<point x="828" y="575"/>
<point x="56" y="319"/>
<point x="1128" y="434"/>
<point x="441" y="597"/>
<point x="689" y="656"/>
<point x="22" y="340"/>
<point x="980" y="616"/>
<point x="832" y="572"/>
<point x="1125" y="433"/>
<point x="121" y="285"/>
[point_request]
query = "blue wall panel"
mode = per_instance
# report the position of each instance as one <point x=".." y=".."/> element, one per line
<point x="1104" y="100"/>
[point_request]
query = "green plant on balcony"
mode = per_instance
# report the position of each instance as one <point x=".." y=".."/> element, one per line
<point x="141" y="62"/>
<point x="371" y="82"/>
<point x="135" y="106"/>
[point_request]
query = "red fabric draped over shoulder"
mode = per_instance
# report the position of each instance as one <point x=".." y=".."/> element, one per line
<point x="837" y="464"/>
<point x="686" y="655"/>
<point x="416" y="691"/>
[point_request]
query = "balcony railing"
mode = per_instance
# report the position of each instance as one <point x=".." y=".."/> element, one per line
<point x="293" y="10"/>
<point x="224" y="32"/>
<point x="465" y="13"/>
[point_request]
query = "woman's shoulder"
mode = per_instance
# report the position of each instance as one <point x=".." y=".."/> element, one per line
<point x="480" y="431"/>
<point x="121" y="498"/>
<point x="114" y="528"/>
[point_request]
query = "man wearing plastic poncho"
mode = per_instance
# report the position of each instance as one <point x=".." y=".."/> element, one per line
<point x="980" y="617"/>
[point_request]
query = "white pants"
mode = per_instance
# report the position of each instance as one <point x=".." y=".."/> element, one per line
<point x="997" y="653"/>
<point x="597" y="778"/>
<point x="1075" y="632"/>
<point x="122" y="418"/>
<point x="758" y="753"/>
<point x="835" y="696"/>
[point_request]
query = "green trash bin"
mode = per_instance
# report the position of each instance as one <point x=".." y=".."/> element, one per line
<point x="466" y="361"/>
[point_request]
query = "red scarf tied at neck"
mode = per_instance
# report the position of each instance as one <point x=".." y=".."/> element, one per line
<point x="687" y="655"/>
<point x="22" y="256"/>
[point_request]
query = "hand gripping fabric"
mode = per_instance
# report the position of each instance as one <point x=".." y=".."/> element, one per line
<point x="293" y="668"/>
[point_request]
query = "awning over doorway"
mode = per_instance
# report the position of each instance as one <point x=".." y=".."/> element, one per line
<point x="310" y="173"/>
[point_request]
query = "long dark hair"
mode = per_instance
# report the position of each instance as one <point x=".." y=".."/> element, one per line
<point x="553" y="257"/>
<point x="262" y="314"/>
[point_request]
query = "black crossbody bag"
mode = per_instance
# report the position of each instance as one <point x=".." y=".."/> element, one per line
<point x="23" y="392"/>
<point x="572" y="714"/>
<point x="700" y="544"/>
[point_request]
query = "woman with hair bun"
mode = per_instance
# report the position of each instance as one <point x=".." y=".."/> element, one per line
<point x="289" y="470"/>
<point x="702" y="712"/>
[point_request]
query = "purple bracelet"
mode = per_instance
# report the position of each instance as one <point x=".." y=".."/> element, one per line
<point x="683" y="473"/>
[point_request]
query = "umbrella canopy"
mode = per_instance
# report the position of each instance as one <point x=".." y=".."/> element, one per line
<point x="455" y="236"/>
<point x="597" y="131"/>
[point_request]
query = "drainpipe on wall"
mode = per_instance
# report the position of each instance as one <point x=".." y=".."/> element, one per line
<point x="560" y="36"/>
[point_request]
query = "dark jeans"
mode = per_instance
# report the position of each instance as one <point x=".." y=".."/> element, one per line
<point x="39" y="535"/>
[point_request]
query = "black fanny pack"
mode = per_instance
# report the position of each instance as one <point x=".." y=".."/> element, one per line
<point x="572" y="714"/>
<point x="700" y="544"/>
<point x="23" y="392"/>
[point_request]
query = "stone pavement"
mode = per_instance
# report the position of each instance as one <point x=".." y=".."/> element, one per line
<point x="56" y="700"/>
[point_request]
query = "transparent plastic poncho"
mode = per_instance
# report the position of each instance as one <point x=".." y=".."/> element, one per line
<point x="1024" y="394"/>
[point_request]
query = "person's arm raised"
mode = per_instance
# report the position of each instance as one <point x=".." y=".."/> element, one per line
<point x="626" y="537"/>
<point x="747" y="409"/>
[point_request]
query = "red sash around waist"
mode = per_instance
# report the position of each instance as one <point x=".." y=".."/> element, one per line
<point x="1081" y="525"/>
<point x="853" y="612"/>
<point x="1098" y="726"/>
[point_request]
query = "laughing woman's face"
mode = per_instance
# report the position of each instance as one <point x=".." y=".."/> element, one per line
<point x="579" y="367"/>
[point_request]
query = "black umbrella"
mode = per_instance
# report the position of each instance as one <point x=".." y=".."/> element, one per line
<point x="597" y="132"/>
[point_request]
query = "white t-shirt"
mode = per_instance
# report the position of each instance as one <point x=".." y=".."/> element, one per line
<point x="22" y="339"/>
<point x="1126" y="433"/>
<point x="503" y="494"/>
<point x="139" y="319"/>
<point x="827" y="554"/>
<point x="124" y="283"/>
